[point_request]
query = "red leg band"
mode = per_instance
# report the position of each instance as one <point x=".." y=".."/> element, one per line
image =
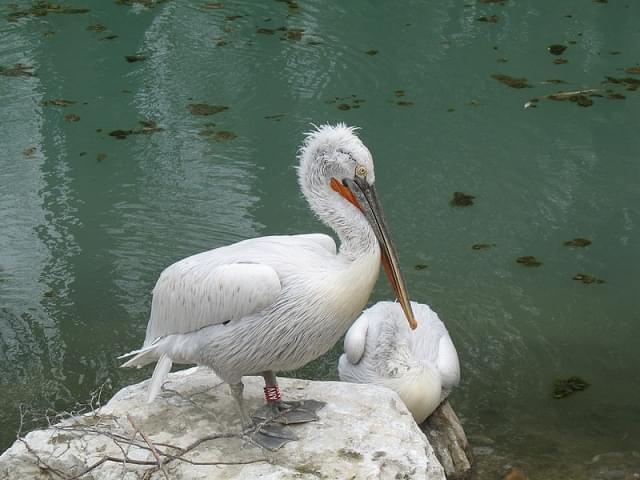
<point x="272" y="393"/>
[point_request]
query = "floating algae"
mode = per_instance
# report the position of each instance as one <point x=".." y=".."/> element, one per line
<point x="587" y="279"/>
<point x="556" y="49"/>
<point x="564" y="388"/>
<point x="18" y="70"/>
<point x="148" y="126"/>
<point x="462" y="199"/>
<point x="482" y="246"/>
<point x="489" y="19"/>
<point x="578" y="242"/>
<point x="529" y="261"/>
<point x="512" y="82"/>
<point x="206" y="109"/>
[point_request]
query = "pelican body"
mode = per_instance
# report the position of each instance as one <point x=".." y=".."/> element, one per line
<point x="421" y="366"/>
<point x="275" y="303"/>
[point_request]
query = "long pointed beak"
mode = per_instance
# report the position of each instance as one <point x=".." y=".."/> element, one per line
<point x="368" y="202"/>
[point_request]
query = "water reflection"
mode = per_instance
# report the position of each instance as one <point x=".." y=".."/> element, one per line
<point x="89" y="220"/>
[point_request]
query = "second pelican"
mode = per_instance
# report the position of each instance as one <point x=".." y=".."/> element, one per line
<point x="421" y="366"/>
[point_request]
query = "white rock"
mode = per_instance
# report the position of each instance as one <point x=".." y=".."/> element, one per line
<point x="364" y="432"/>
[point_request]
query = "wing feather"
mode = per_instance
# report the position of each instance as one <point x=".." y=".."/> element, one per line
<point x="325" y="241"/>
<point x="190" y="295"/>
<point x="356" y="339"/>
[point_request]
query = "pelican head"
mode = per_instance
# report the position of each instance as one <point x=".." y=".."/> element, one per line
<point x="335" y="166"/>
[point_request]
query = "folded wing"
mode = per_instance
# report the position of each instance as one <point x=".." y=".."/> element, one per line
<point x="191" y="295"/>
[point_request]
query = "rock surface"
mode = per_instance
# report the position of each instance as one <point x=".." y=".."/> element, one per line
<point x="364" y="432"/>
<point x="445" y="433"/>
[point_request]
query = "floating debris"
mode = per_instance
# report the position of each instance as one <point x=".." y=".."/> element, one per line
<point x="404" y="103"/>
<point x="553" y="81"/>
<point x="346" y="103"/>
<point x="600" y="1"/>
<point x="511" y="81"/>
<point x="564" y="388"/>
<point x="420" y="266"/>
<point x="483" y="246"/>
<point x="399" y="93"/>
<point x="109" y="37"/>
<point x="462" y="199"/>
<point x="144" y="3"/>
<point x="529" y="261"/>
<point x="148" y="126"/>
<point x="556" y="49"/>
<point x="209" y="130"/>
<point x="206" y="109"/>
<point x="292" y="6"/>
<point x="615" y="96"/>
<point x="629" y="83"/>
<point x="265" y="31"/>
<point x="489" y="19"/>
<point x="29" y="152"/>
<point x="500" y="2"/>
<point x="60" y="102"/>
<point x="72" y="117"/>
<point x="580" y="97"/>
<point x="101" y="156"/>
<point x="18" y="70"/>
<point x="120" y="134"/>
<point x="98" y="27"/>
<point x="134" y="58"/>
<point x="41" y="9"/>
<point x="586" y="278"/>
<point x="501" y="60"/>
<point x="213" y="5"/>
<point x="232" y="18"/>
<point x="276" y="116"/>
<point x="371" y="51"/>
<point x="294" y="34"/>
<point x="560" y="61"/>
<point x="224" y="135"/>
<point x="578" y="242"/>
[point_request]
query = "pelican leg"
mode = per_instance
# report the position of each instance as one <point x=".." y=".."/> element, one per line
<point x="263" y="433"/>
<point x="283" y="412"/>
<point x="236" y="390"/>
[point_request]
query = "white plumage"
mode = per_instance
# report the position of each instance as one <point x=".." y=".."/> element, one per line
<point x="275" y="303"/>
<point x="420" y="365"/>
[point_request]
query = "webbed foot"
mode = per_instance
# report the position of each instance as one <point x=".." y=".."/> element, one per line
<point x="270" y="435"/>
<point x="288" y="413"/>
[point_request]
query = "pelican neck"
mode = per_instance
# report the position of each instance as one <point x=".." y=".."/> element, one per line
<point x="357" y="238"/>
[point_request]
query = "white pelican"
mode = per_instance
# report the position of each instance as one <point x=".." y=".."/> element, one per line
<point x="421" y="366"/>
<point x="275" y="303"/>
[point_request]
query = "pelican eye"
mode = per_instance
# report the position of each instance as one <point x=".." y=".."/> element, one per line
<point x="361" y="171"/>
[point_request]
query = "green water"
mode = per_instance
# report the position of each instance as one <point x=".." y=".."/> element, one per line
<point x="83" y="236"/>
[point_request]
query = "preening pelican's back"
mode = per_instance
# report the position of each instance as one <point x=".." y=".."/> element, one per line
<point x="420" y="365"/>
